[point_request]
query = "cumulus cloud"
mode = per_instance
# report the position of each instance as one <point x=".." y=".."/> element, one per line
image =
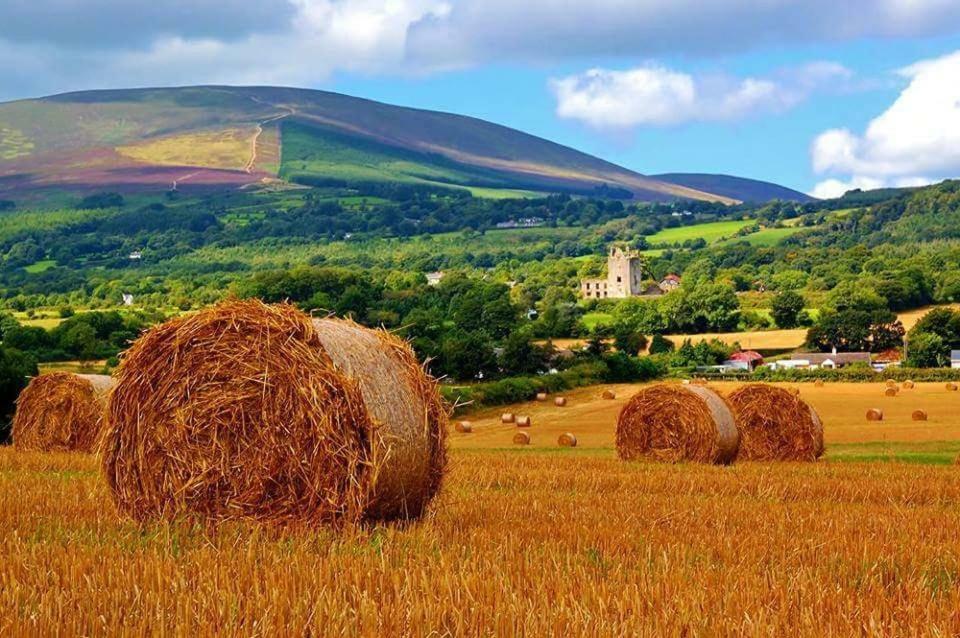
<point x="180" y="42"/>
<point x="916" y="140"/>
<point x="476" y="31"/>
<point x="655" y="95"/>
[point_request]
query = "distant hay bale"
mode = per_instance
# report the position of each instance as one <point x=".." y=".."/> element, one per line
<point x="891" y="391"/>
<point x="775" y="425"/>
<point x="61" y="412"/>
<point x="908" y="385"/>
<point x="891" y="383"/>
<point x="523" y="422"/>
<point x="507" y="417"/>
<point x="818" y="383"/>
<point x="919" y="415"/>
<point x="464" y="427"/>
<point x="560" y="402"/>
<point x="541" y="396"/>
<point x="567" y="439"/>
<point x="952" y="387"/>
<point x="874" y="414"/>
<point x="247" y="410"/>
<point x="677" y="423"/>
<point x="609" y="395"/>
<point x="685" y="382"/>
<point x="521" y="438"/>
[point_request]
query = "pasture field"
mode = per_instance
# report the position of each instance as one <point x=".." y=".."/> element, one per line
<point x="711" y="232"/>
<point x="527" y="541"/>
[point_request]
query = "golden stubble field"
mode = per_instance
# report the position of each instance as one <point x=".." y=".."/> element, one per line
<point x="529" y="541"/>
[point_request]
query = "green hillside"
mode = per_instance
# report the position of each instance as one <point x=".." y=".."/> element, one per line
<point x="228" y="137"/>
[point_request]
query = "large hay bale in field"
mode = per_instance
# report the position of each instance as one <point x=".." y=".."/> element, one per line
<point x="874" y="414"/>
<point x="523" y="422"/>
<point x="775" y="425"/>
<point x="609" y="395"/>
<point x="464" y="427"/>
<point x="891" y="391"/>
<point x="521" y="438"/>
<point x="676" y="423"/>
<point x="507" y="417"/>
<point x="567" y="439"/>
<point x="560" y="402"/>
<point x="919" y="415"/>
<point x="61" y="412"/>
<point x="246" y="410"/>
<point x="908" y="385"/>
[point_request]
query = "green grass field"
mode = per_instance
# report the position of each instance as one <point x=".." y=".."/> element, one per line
<point x="765" y="237"/>
<point x="711" y="232"/>
<point x="40" y="266"/>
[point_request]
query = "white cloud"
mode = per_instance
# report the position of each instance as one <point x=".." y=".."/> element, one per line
<point x="655" y="95"/>
<point x="478" y="31"/>
<point x="916" y="140"/>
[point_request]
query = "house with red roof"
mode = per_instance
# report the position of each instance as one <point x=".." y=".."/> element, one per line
<point x="745" y="360"/>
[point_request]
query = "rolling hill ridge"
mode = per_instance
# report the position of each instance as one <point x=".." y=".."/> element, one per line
<point x="213" y="137"/>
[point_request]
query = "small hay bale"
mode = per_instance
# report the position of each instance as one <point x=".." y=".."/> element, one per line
<point x="685" y="382"/>
<point x="609" y="395"/>
<point x="560" y="402"/>
<point x="252" y="411"/>
<point x="61" y="412"/>
<point x="541" y="396"/>
<point x="818" y="383"/>
<point x="891" y="383"/>
<point x="952" y="387"/>
<point x="775" y="425"/>
<point x="891" y="391"/>
<point x="521" y="438"/>
<point x="677" y="423"/>
<point x="919" y="415"/>
<point x="874" y="414"/>
<point x="567" y="439"/>
<point x="507" y="417"/>
<point x="523" y="422"/>
<point x="464" y="427"/>
<point x="908" y="385"/>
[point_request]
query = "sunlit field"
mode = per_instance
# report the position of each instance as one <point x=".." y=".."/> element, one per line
<point x="534" y="540"/>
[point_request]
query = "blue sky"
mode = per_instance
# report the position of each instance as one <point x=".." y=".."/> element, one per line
<point x="814" y="94"/>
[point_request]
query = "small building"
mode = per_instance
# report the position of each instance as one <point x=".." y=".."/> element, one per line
<point x="127" y="299"/>
<point x="887" y="359"/>
<point x="955" y="359"/>
<point x="745" y="360"/>
<point x="434" y="278"/>
<point x="834" y="360"/>
<point x="136" y="255"/>
<point x="670" y="282"/>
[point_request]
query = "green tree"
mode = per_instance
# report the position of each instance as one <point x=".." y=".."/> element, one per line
<point x="16" y="368"/>
<point x="927" y="350"/>
<point x="786" y="309"/>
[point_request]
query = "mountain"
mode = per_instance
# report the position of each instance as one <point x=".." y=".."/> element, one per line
<point x="212" y="137"/>
<point x="741" y="188"/>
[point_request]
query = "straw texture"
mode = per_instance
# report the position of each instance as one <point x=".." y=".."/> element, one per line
<point x="775" y="425"/>
<point x="61" y="412"/>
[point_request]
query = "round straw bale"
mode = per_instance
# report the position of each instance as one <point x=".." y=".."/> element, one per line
<point x="246" y="410"/>
<point x="464" y="427"/>
<point x="919" y="415"/>
<point x="818" y="383"/>
<point x="874" y="414"/>
<point x="908" y="385"/>
<point x="685" y="382"/>
<point x="541" y="396"/>
<point x="775" y="425"/>
<point x="677" y="423"/>
<point x="567" y="439"/>
<point x="61" y="412"/>
<point x="609" y="395"/>
<point x="560" y="402"/>
<point x="891" y="383"/>
<point x="952" y="387"/>
<point x="523" y="421"/>
<point x="521" y="438"/>
<point x="507" y="417"/>
<point x="892" y="391"/>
